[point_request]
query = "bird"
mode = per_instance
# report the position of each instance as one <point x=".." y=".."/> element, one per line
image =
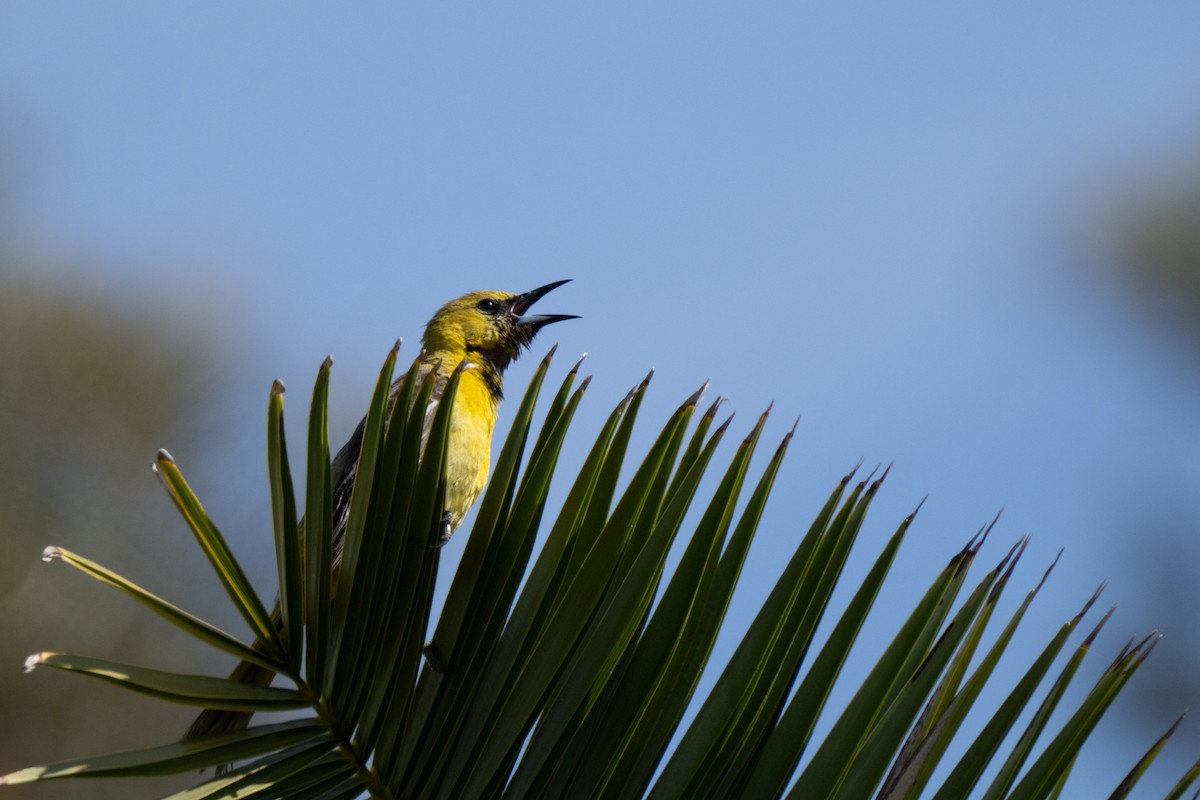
<point x="484" y="331"/>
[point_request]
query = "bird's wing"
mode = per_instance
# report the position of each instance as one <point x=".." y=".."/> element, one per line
<point x="345" y="464"/>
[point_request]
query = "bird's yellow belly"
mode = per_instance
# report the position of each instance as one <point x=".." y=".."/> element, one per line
<point x="469" y="453"/>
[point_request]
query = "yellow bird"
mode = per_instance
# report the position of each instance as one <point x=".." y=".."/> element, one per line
<point x="487" y="330"/>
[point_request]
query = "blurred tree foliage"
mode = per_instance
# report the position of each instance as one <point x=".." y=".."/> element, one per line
<point x="91" y="386"/>
<point x="1151" y="242"/>
<point x="1154" y="237"/>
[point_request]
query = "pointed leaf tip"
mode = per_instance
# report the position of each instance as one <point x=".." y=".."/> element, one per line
<point x="992" y="524"/>
<point x="886" y="470"/>
<point x="1136" y="652"/>
<point x="695" y="396"/>
<point x="913" y="514"/>
<point x="1121" y="654"/>
<point x="873" y="488"/>
<point x="787" y="437"/>
<point x="575" y="369"/>
<point x="52" y="552"/>
<point x="328" y="362"/>
<point x="1091" y="637"/>
<point x="1049" y="569"/>
<point x="1150" y="642"/>
<point x="975" y="542"/>
<point x="1171" y="730"/>
<point x="1090" y="602"/>
<point x="758" y="426"/>
<point x="1009" y="562"/>
<point x="1025" y="540"/>
<point x="277" y="387"/>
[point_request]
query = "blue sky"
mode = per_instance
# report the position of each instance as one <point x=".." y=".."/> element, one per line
<point x="877" y="218"/>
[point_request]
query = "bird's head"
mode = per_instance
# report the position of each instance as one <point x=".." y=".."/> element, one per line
<point x="488" y="327"/>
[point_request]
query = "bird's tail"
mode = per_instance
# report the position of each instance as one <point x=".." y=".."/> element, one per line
<point x="213" y="720"/>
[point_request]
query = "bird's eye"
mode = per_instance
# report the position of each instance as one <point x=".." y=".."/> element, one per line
<point x="488" y="306"/>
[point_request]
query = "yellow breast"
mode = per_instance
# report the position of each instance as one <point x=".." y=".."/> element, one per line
<point x="467" y="462"/>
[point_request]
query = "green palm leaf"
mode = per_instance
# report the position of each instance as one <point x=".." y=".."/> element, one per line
<point x="566" y="654"/>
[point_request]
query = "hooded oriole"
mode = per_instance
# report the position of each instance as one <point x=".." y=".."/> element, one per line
<point x="487" y="330"/>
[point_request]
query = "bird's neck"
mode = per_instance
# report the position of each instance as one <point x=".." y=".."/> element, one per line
<point x="480" y="367"/>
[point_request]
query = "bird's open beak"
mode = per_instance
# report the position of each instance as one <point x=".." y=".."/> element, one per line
<point x="522" y="302"/>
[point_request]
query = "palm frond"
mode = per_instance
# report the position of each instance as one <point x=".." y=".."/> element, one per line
<point x="564" y="667"/>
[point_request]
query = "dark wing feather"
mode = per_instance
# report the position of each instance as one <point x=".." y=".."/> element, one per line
<point x="345" y="464"/>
